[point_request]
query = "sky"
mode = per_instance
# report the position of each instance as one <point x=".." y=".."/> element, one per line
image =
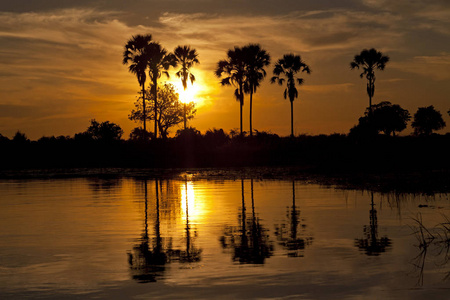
<point x="61" y="60"/>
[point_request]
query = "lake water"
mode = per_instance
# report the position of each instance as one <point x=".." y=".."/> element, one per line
<point x="126" y="238"/>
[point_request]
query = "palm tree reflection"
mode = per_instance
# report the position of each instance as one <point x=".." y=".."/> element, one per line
<point x="147" y="260"/>
<point x="249" y="241"/>
<point x="371" y="244"/>
<point x="288" y="234"/>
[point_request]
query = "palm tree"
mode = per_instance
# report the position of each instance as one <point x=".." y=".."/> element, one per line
<point x="369" y="60"/>
<point x="234" y="67"/>
<point x="186" y="57"/>
<point x="256" y="59"/>
<point x="135" y="56"/>
<point x="285" y="69"/>
<point x="159" y="62"/>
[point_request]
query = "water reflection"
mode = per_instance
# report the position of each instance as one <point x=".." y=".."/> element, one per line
<point x="249" y="241"/>
<point x="104" y="184"/>
<point x="148" y="259"/>
<point x="289" y="235"/>
<point x="191" y="253"/>
<point x="71" y="239"/>
<point x="371" y="244"/>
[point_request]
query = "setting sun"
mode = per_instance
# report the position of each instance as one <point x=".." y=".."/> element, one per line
<point x="190" y="94"/>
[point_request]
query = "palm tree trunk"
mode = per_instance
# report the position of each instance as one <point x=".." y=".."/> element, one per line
<point x="292" y="118"/>
<point x="241" y="116"/>
<point x="241" y="96"/>
<point x="143" y="105"/>
<point x="370" y="91"/>
<point x="185" y="116"/>
<point x="251" y="99"/>
<point x="155" y="94"/>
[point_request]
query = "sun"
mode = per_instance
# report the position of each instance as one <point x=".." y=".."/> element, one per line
<point x="191" y="94"/>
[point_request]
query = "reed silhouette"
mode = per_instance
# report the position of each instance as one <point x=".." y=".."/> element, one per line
<point x="371" y="244"/>
<point x="249" y="241"/>
<point x="369" y="61"/>
<point x="436" y="240"/>
<point x="286" y="69"/>
<point x="290" y="235"/>
<point x="187" y="58"/>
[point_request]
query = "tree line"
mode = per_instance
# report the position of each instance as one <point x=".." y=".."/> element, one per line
<point x="244" y="68"/>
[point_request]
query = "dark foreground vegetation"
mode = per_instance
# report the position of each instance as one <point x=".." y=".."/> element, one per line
<point x="215" y="148"/>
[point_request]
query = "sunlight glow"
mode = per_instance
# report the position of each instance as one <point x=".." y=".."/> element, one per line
<point x="190" y="94"/>
<point x="189" y="208"/>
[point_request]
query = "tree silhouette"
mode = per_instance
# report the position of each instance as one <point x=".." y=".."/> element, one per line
<point x="170" y="111"/>
<point x="285" y="70"/>
<point x="371" y="244"/>
<point x="135" y="55"/>
<point x="139" y="134"/>
<point x="186" y="58"/>
<point x="288" y="234"/>
<point x="20" y="138"/>
<point x="159" y="62"/>
<point x="389" y="118"/>
<point x="256" y="59"/>
<point x="427" y="119"/>
<point x="386" y="117"/>
<point x="369" y="61"/>
<point x="104" y="131"/>
<point x="234" y="69"/>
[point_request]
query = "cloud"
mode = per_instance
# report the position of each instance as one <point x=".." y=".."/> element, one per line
<point x="328" y="88"/>
<point x="436" y="67"/>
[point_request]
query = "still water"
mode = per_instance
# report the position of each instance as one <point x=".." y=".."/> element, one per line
<point x="202" y="239"/>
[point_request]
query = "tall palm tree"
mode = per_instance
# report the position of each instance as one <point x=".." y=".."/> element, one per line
<point x="369" y="61"/>
<point x="234" y="69"/>
<point x="256" y="59"/>
<point x="135" y="56"/>
<point x="159" y="62"/>
<point x="187" y="58"/>
<point x="285" y="70"/>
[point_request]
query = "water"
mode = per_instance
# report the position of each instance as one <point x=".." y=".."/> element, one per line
<point x="229" y="239"/>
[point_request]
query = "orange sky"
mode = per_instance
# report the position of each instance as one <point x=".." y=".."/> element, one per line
<point x="61" y="64"/>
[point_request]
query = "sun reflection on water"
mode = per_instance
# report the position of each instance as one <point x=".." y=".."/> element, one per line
<point x="190" y="207"/>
